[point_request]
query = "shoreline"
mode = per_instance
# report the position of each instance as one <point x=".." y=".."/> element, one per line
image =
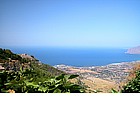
<point x="115" y="72"/>
<point x="121" y="63"/>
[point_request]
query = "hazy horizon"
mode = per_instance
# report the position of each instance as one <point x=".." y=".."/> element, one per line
<point x="80" y="23"/>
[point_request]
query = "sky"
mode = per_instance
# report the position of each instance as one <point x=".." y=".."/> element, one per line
<point x="113" y="23"/>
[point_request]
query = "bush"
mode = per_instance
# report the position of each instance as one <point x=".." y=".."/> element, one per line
<point x="133" y="86"/>
<point x="23" y="82"/>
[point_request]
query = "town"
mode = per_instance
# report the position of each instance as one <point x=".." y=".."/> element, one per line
<point x="116" y="72"/>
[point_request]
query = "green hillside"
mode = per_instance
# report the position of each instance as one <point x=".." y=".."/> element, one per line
<point x="23" y="73"/>
<point x="5" y="54"/>
<point x="14" y="62"/>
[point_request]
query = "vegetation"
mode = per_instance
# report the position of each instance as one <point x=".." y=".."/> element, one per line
<point x="23" y="82"/>
<point x="24" y="75"/>
<point x="133" y="86"/>
<point x="5" y="54"/>
<point x="14" y="62"/>
<point x="132" y="82"/>
<point x="43" y="71"/>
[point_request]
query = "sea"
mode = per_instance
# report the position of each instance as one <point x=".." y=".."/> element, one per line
<point x="77" y="56"/>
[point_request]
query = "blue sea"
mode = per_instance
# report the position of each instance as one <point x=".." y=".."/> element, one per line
<point x="77" y="56"/>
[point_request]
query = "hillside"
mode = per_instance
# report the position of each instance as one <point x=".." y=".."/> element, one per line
<point x="14" y="62"/>
<point x="135" y="50"/>
<point x="24" y="74"/>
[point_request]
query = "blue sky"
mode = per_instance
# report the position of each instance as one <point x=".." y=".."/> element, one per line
<point x="114" y="23"/>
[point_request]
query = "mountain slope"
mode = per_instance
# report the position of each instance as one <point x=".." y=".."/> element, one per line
<point x="14" y="62"/>
<point x="24" y="74"/>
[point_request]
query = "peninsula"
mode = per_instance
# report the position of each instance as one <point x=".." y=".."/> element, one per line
<point x="134" y="50"/>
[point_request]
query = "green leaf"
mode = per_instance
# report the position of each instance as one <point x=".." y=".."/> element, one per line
<point x="73" y="76"/>
<point x="60" y="77"/>
<point x="114" y="91"/>
<point x="57" y="91"/>
<point x="43" y="89"/>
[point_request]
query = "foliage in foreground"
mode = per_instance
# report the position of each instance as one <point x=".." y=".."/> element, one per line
<point x="23" y="82"/>
<point x="134" y="85"/>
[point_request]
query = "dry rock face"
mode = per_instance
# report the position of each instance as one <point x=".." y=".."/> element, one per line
<point x="135" y="50"/>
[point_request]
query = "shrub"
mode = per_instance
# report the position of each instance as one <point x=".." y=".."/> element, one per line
<point x="133" y="86"/>
<point x="23" y="81"/>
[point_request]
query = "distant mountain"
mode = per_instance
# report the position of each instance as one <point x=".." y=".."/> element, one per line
<point x="134" y="50"/>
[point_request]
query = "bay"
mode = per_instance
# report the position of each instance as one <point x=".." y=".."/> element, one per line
<point x="76" y="56"/>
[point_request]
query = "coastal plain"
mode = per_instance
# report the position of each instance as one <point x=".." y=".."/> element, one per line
<point x="101" y="78"/>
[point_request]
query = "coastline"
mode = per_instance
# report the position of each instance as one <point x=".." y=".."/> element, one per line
<point x="121" y="63"/>
<point x="115" y="72"/>
<point x="102" y="78"/>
